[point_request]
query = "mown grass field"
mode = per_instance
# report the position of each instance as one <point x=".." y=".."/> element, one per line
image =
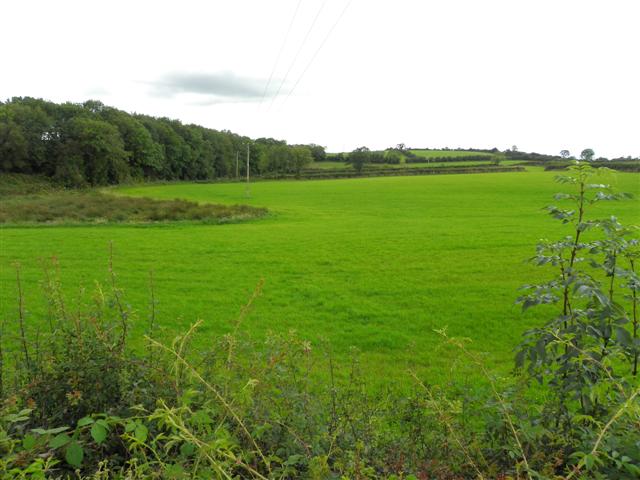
<point x="346" y="166"/>
<point x="427" y="153"/>
<point x="461" y="163"/>
<point x="374" y="263"/>
<point x="328" y="165"/>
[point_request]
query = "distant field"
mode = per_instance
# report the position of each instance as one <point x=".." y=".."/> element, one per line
<point x="342" y="165"/>
<point x="328" y="165"/>
<point x="469" y="163"/>
<point x="446" y="153"/>
<point x="433" y="153"/>
<point x="374" y="263"/>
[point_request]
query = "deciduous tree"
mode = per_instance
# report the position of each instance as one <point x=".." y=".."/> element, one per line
<point x="587" y="154"/>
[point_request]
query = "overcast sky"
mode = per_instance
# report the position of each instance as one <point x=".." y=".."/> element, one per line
<point x="543" y="75"/>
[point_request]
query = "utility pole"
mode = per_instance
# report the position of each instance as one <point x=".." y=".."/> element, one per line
<point x="246" y="191"/>
<point x="237" y="174"/>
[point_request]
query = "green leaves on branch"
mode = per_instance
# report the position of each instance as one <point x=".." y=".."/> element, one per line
<point x="587" y="353"/>
<point x="74" y="454"/>
<point x="99" y="431"/>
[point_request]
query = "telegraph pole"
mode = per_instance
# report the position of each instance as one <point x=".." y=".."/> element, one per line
<point x="237" y="174"/>
<point x="246" y="191"/>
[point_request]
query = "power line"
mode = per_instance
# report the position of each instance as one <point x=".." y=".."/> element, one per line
<point x="318" y="50"/>
<point x="304" y="41"/>
<point x="284" y="42"/>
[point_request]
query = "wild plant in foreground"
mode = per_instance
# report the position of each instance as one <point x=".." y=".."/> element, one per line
<point x="586" y="355"/>
<point x="84" y="401"/>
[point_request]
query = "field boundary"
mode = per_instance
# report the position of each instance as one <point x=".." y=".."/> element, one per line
<point x="330" y="175"/>
<point x="618" y="167"/>
<point x="390" y="172"/>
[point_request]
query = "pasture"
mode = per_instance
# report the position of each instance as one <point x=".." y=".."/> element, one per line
<point x="429" y="153"/>
<point x="373" y="263"/>
<point x="426" y="164"/>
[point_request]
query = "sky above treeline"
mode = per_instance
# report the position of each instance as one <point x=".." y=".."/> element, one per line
<point x="544" y="75"/>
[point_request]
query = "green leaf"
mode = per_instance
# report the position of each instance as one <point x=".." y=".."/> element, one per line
<point x="174" y="471"/>
<point x="520" y="356"/>
<point x="74" y="454"/>
<point x="98" y="433"/>
<point x="85" y="421"/>
<point x="103" y="422"/>
<point x="18" y="417"/>
<point x="29" y="441"/>
<point x="59" y="440"/>
<point x="602" y="298"/>
<point x="187" y="449"/>
<point x="15" y="419"/>
<point x="588" y="461"/>
<point x="632" y="469"/>
<point x="50" y="431"/>
<point x="623" y="336"/>
<point x="294" y="460"/>
<point x="140" y="432"/>
<point x="200" y="418"/>
<point x="55" y="431"/>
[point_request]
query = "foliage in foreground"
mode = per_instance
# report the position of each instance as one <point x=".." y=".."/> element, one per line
<point x="77" y="399"/>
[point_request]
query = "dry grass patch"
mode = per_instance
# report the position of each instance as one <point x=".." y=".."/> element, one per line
<point x="54" y="206"/>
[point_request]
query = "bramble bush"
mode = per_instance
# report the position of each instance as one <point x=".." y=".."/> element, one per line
<point x="79" y="402"/>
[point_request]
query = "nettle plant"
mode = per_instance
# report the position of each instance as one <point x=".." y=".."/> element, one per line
<point x="587" y="354"/>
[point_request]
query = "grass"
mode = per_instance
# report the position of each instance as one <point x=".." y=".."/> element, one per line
<point x="328" y="165"/>
<point x="466" y="163"/>
<point x="428" y="153"/>
<point x="12" y="184"/>
<point x="346" y="166"/>
<point x="372" y="263"/>
<point x="34" y="200"/>
<point x="96" y="207"/>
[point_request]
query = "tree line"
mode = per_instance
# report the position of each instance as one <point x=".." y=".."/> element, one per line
<point x="401" y="154"/>
<point x="362" y="156"/>
<point x="90" y="143"/>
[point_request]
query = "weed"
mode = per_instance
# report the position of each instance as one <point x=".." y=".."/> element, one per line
<point x="95" y="207"/>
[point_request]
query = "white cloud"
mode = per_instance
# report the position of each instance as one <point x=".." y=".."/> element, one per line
<point x="213" y="88"/>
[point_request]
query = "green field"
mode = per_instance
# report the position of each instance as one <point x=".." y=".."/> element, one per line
<point x="427" y="153"/>
<point x="461" y="163"/>
<point x="329" y="165"/>
<point x="348" y="166"/>
<point x="374" y="263"/>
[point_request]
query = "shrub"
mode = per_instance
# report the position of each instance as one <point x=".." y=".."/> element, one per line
<point x="586" y="356"/>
